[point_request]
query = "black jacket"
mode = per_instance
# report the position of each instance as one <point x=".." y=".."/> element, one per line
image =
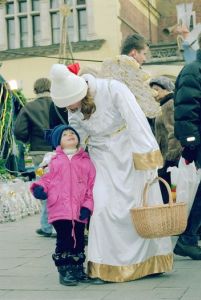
<point x="188" y="104"/>
<point x="34" y="118"/>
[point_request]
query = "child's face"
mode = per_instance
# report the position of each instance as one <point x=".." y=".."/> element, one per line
<point x="69" y="139"/>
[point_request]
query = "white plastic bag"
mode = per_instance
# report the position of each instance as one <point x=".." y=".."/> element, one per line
<point x="174" y="175"/>
<point x="187" y="182"/>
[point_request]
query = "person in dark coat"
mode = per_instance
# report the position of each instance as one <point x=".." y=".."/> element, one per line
<point x="164" y="129"/>
<point x="33" y="119"/>
<point x="188" y="131"/>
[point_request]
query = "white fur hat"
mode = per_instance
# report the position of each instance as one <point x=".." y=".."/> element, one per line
<point x="66" y="87"/>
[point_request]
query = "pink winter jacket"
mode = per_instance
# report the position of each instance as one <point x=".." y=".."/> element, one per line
<point x="69" y="185"/>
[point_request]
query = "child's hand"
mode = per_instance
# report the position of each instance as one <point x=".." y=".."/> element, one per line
<point x="38" y="192"/>
<point x="84" y="213"/>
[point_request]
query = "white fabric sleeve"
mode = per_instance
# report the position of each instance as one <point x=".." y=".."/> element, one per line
<point x="146" y="153"/>
<point x="74" y="121"/>
<point x="141" y="136"/>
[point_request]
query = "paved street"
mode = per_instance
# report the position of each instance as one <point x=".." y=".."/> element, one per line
<point x="27" y="273"/>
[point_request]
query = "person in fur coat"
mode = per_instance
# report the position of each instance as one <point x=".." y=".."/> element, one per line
<point x="68" y="187"/>
<point x="164" y="129"/>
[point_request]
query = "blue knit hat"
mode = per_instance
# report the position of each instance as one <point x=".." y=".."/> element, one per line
<point x="53" y="136"/>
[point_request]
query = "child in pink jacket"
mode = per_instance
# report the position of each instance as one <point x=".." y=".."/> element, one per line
<point x="68" y="187"/>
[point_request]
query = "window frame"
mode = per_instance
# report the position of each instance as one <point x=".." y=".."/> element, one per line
<point x="30" y="10"/>
<point x="75" y="8"/>
<point x="12" y="36"/>
<point x="21" y="33"/>
<point x="34" y="32"/>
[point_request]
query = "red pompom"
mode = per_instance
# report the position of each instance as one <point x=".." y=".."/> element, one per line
<point x="74" y="68"/>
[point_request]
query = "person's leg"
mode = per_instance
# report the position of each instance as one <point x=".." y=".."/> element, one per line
<point x="20" y="158"/>
<point x="79" y="253"/>
<point x="187" y="244"/>
<point x="45" y="226"/>
<point x="63" y="253"/>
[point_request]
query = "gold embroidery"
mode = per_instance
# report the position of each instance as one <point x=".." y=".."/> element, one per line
<point x="148" y="161"/>
<point x="155" y="264"/>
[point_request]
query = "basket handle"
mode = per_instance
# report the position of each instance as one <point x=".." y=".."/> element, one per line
<point x="146" y="188"/>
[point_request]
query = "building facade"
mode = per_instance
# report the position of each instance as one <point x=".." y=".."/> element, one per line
<point x="32" y="30"/>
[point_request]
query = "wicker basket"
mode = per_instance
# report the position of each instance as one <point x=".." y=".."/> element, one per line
<point x="159" y="220"/>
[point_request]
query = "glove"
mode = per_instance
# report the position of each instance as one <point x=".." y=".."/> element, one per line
<point x="189" y="154"/>
<point x="84" y="213"/>
<point x="171" y="163"/>
<point x="38" y="192"/>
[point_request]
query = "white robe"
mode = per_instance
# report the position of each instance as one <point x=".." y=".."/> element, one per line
<point x="116" y="130"/>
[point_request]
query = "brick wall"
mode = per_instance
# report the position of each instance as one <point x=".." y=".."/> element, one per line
<point x="139" y="22"/>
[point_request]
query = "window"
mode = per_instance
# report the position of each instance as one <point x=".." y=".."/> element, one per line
<point x="35" y="5"/>
<point x="192" y="21"/>
<point x="54" y="4"/>
<point x="81" y="2"/>
<point x="76" y="21"/>
<point x="69" y="2"/>
<point x="81" y="19"/>
<point x="55" y="25"/>
<point x="70" y="26"/>
<point x="25" y="16"/>
<point x="82" y="24"/>
<point x="11" y="33"/>
<point x="10" y="8"/>
<point x="22" y="6"/>
<point x="36" y="30"/>
<point x="23" y="21"/>
<point x="23" y="32"/>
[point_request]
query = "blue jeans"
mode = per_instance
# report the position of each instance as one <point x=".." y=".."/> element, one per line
<point x="190" y="236"/>
<point x="45" y="226"/>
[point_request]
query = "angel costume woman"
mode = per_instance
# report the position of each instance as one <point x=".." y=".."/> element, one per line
<point x="126" y="155"/>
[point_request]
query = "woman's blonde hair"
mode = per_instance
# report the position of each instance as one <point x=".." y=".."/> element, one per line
<point x="88" y="106"/>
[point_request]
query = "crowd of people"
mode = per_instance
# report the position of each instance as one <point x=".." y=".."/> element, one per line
<point x="109" y="133"/>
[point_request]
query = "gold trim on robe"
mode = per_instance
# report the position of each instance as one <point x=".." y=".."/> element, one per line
<point x="148" y="161"/>
<point x="153" y="265"/>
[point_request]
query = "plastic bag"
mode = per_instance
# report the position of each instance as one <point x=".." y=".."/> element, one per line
<point x="174" y="175"/>
<point x="188" y="179"/>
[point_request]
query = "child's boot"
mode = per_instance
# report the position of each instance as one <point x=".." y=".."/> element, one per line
<point x="66" y="274"/>
<point x="79" y="273"/>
